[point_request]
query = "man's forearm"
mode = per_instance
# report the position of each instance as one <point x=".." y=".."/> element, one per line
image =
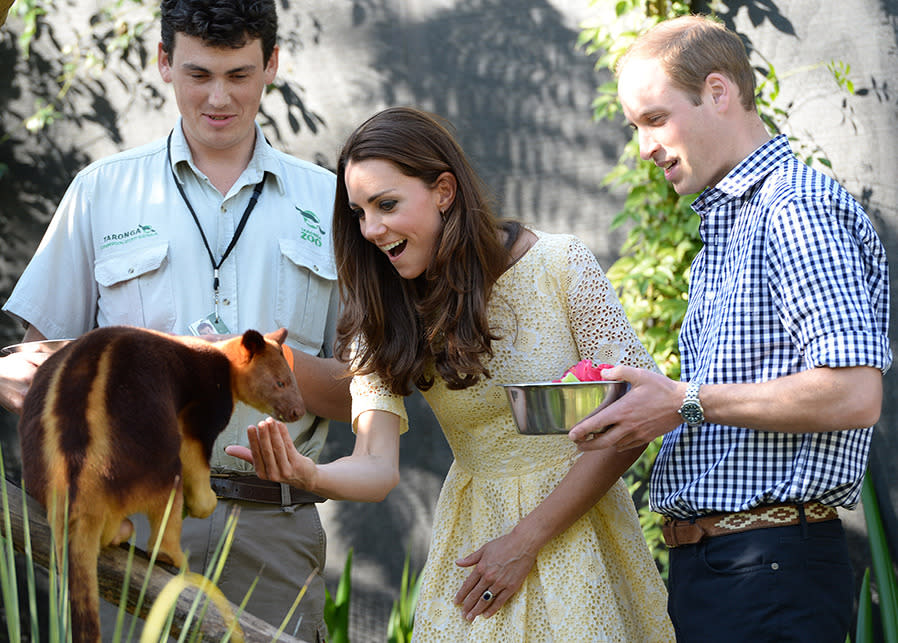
<point x="813" y="401"/>
<point x="324" y="384"/>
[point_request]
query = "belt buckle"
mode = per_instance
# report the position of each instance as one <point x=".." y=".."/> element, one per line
<point x="683" y="532"/>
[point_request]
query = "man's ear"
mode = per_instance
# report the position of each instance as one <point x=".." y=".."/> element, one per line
<point x="163" y="62"/>
<point x="719" y="90"/>
<point x="446" y="186"/>
<point x="271" y="68"/>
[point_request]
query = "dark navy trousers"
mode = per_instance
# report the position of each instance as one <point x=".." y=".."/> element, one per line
<point x="792" y="584"/>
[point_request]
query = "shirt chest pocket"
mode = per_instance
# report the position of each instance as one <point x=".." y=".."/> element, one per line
<point x="304" y="287"/>
<point x="135" y="288"/>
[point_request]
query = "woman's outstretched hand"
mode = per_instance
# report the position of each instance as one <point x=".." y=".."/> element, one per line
<point x="273" y="454"/>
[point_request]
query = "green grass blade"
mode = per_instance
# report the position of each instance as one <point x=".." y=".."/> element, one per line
<point x="153" y="555"/>
<point x="29" y="563"/>
<point x="8" y="585"/>
<point x="302" y="592"/>
<point x="864" y="631"/>
<point x="123" y="597"/>
<point x="402" y="614"/>
<point x="213" y="572"/>
<point x="336" y="610"/>
<point x="883" y="570"/>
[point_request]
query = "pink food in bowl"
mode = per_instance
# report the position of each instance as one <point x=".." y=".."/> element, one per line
<point x="584" y="371"/>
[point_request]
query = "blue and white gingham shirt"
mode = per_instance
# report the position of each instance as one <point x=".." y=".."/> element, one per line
<point x="792" y="276"/>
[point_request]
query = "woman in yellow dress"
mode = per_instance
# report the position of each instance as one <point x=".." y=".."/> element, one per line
<point x="532" y="540"/>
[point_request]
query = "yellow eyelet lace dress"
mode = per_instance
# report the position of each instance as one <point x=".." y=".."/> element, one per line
<point x="597" y="580"/>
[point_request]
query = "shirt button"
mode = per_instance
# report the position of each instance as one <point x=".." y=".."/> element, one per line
<point x="774" y="566"/>
<point x="226" y="302"/>
<point x="130" y="271"/>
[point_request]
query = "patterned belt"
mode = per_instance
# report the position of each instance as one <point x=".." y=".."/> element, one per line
<point x="254" y="489"/>
<point x="688" y="532"/>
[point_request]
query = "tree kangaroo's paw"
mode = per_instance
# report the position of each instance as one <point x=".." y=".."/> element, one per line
<point x="201" y="502"/>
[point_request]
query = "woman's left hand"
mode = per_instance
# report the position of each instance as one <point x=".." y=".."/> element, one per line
<point x="500" y="567"/>
<point x="274" y="456"/>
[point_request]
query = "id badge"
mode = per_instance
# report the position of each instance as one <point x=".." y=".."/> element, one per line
<point x="209" y="326"/>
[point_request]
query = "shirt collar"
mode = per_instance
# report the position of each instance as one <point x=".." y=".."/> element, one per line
<point x="263" y="160"/>
<point x="742" y="178"/>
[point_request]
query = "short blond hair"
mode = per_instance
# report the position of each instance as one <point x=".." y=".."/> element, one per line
<point x="691" y="47"/>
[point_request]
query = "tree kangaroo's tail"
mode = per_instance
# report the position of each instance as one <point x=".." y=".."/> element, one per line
<point x="84" y="591"/>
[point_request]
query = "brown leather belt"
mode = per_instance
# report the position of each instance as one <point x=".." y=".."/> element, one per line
<point x="254" y="489"/>
<point x="688" y="532"/>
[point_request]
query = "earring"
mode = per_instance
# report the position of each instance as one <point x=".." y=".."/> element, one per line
<point x="443" y="216"/>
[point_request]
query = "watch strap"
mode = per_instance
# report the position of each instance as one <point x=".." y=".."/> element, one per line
<point x="691" y="410"/>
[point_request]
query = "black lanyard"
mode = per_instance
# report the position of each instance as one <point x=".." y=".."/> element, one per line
<point x="257" y="190"/>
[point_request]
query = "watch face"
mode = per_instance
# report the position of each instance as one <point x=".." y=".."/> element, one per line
<point x="692" y="413"/>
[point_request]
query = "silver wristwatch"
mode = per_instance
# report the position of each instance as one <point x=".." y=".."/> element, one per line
<point x="691" y="411"/>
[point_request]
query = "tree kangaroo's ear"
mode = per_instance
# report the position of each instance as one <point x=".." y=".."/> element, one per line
<point x="253" y="343"/>
<point x="279" y="336"/>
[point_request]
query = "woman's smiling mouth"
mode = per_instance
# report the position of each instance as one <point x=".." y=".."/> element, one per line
<point x="395" y="249"/>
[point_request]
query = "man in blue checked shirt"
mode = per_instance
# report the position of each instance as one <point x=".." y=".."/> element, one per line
<point x="783" y="349"/>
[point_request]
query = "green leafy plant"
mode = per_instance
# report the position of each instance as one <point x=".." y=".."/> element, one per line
<point x="651" y="275"/>
<point x="883" y="572"/>
<point x="30" y="12"/>
<point x="8" y="586"/>
<point x="402" y="616"/>
<point x="117" y="33"/>
<point x="336" y="608"/>
<point x="864" y="629"/>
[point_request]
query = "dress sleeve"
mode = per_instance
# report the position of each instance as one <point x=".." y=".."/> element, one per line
<point x="369" y="393"/>
<point x="598" y="322"/>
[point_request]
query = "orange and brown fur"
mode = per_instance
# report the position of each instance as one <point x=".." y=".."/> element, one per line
<point x="117" y="419"/>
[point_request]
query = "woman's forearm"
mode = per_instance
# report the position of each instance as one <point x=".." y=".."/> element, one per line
<point x="359" y="478"/>
<point x="372" y="470"/>
<point x="592" y="475"/>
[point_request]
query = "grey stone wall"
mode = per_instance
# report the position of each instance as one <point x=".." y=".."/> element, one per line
<point x="508" y="74"/>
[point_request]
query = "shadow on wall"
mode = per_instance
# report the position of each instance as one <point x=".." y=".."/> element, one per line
<point x="884" y="449"/>
<point x="34" y="170"/>
<point x="757" y="11"/>
<point x="508" y="75"/>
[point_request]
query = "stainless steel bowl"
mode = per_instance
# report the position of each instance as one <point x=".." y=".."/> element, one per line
<point x="43" y="346"/>
<point x="546" y="408"/>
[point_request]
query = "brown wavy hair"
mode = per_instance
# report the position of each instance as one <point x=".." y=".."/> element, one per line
<point x="438" y="319"/>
